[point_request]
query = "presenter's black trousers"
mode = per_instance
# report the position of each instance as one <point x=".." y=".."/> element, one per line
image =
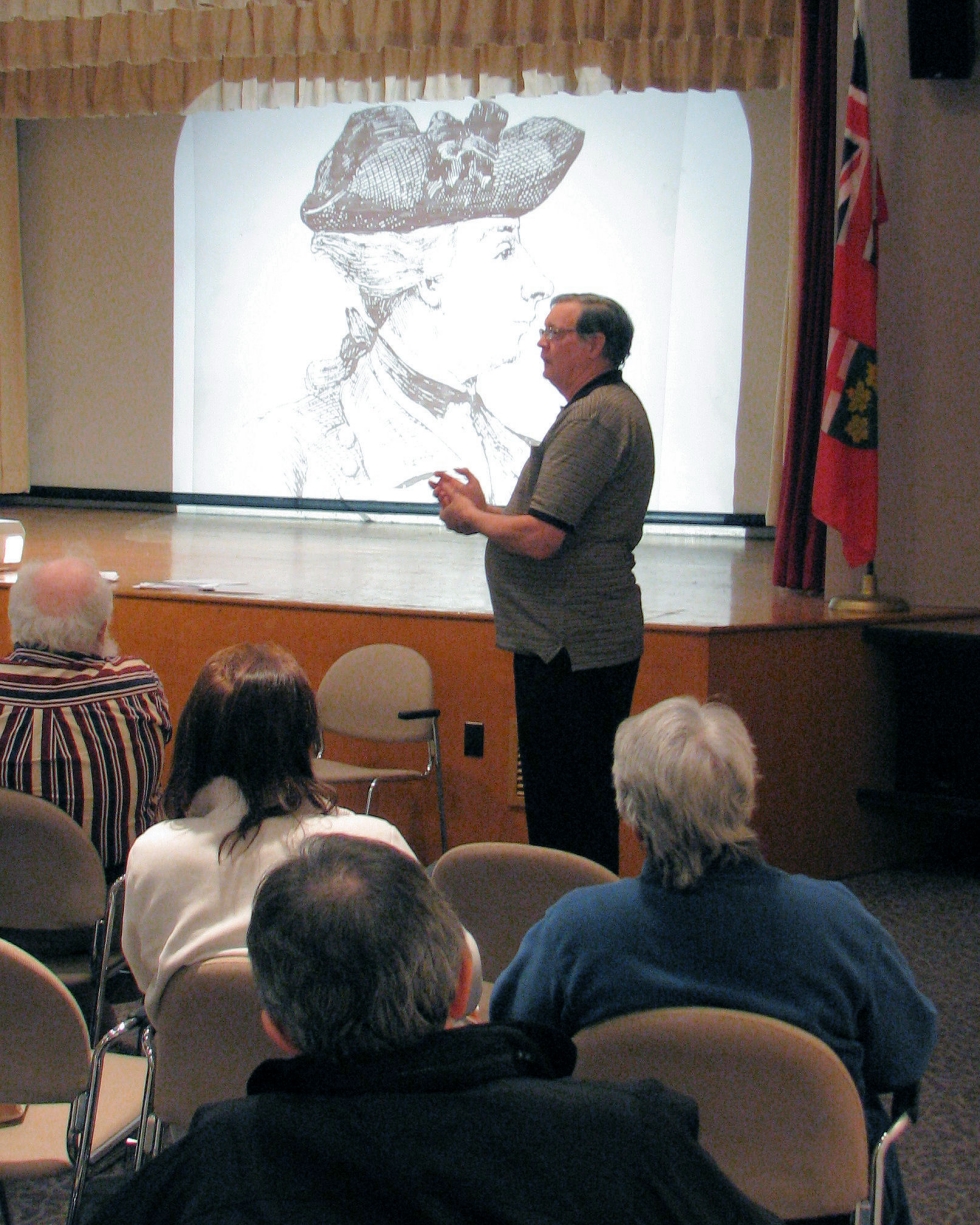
<point x="566" y="724"/>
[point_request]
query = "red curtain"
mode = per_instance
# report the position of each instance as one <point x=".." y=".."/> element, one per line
<point x="800" y="539"/>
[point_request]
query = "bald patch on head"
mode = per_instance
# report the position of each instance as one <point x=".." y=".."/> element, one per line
<point x="342" y="888"/>
<point x="61" y="587"/>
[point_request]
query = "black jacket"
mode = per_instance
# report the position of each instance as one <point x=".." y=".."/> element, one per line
<point x="472" y="1126"/>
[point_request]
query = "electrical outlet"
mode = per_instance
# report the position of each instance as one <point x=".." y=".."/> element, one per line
<point x="472" y="739"/>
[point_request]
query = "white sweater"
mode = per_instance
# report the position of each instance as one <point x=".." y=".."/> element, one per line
<point x="183" y="904"/>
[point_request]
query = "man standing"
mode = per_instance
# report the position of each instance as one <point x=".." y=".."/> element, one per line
<point x="559" y="566"/>
<point x="382" y="1113"/>
<point x="80" y="725"/>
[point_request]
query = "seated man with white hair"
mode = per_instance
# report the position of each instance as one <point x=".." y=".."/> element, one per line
<point x="709" y="923"/>
<point x="80" y="725"/>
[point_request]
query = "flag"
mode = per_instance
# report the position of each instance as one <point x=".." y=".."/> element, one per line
<point x="845" y="483"/>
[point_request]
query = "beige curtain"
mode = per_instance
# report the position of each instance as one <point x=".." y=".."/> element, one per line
<point x="116" y="57"/>
<point x="14" y="473"/>
<point x="72" y="58"/>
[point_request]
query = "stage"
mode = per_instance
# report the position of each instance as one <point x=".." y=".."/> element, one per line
<point x="815" y="696"/>
<point x="686" y="579"/>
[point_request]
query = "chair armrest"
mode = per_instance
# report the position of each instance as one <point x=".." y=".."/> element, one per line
<point x="431" y="713"/>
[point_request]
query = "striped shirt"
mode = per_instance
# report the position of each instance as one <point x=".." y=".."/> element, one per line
<point x="87" y="734"/>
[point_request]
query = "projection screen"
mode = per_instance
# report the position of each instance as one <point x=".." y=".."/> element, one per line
<point x="343" y="330"/>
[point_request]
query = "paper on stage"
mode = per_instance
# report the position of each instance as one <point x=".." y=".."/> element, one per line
<point x="198" y="584"/>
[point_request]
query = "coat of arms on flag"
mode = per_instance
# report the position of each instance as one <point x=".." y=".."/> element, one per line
<point x="845" y="486"/>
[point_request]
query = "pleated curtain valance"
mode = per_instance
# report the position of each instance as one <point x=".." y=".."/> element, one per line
<point x="120" y="57"/>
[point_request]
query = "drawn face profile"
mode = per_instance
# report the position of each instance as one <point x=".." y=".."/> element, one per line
<point x="426" y="227"/>
<point x="477" y="309"/>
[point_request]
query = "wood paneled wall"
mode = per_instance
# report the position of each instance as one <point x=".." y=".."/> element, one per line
<point x="810" y="696"/>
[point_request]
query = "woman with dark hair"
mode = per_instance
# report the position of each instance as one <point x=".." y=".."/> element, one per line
<point x="240" y="800"/>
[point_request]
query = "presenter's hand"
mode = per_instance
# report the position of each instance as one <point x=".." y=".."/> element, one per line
<point x="455" y="513"/>
<point x="447" y="487"/>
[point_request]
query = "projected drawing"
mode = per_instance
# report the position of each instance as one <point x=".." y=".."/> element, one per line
<point x="425" y="225"/>
<point x="357" y="290"/>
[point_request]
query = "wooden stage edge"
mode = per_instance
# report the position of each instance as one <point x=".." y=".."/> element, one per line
<point x="816" y="698"/>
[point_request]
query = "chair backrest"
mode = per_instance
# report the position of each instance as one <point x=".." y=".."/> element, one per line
<point x="779" y="1111"/>
<point x="51" y="876"/>
<point x="500" y="890"/>
<point x="44" y="1048"/>
<point x="208" y="1038"/>
<point x="364" y="690"/>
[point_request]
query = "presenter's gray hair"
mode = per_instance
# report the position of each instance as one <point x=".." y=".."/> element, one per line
<point x="685" y="778"/>
<point x="353" y="949"/>
<point x="61" y="606"/>
<point x="606" y="317"/>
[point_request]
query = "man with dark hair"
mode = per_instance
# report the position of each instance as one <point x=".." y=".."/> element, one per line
<point x="602" y="316"/>
<point x="559" y="566"/>
<point x="382" y="1113"/>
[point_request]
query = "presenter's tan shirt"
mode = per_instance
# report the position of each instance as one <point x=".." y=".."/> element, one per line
<point x="590" y="475"/>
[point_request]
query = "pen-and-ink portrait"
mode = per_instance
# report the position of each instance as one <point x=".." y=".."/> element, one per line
<point x="359" y="289"/>
<point x="427" y="226"/>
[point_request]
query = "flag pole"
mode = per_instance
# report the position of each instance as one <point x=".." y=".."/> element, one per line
<point x="845" y="483"/>
<point x="868" y="600"/>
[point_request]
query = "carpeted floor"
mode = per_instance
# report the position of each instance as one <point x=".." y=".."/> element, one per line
<point x="935" y="918"/>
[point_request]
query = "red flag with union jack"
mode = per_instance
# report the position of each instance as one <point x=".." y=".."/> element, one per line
<point x="845" y="483"/>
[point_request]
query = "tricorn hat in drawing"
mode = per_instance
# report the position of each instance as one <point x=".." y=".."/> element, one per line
<point x="384" y="174"/>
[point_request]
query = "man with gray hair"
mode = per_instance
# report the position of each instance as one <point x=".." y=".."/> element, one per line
<point x="80" y="725"/>
<point x="384" y="1112"/>
<point x="710" y="923"/>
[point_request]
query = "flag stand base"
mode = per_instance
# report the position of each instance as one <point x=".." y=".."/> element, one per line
<point x="869" y="601"/>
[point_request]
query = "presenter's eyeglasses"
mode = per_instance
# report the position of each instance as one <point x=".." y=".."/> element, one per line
<point x="554" y="333"/>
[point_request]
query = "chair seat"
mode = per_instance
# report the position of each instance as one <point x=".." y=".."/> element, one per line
<point x="36" y="1147"/>
<point x="325" y="771"/>
<point x="120" y="1101"/>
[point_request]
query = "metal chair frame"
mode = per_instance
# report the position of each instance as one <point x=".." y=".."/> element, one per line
<point x="103" y="963"/>
<point x="83" y="1109"/>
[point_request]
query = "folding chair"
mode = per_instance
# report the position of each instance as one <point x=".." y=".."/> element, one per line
<point x="81" y="1105"/>
<point x="207" y="1041"/>
<point x="779" y="1111"/>
<point x="500" y="890"/>
<point x="53" y="900"/>
<point x="381" y="693"/>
